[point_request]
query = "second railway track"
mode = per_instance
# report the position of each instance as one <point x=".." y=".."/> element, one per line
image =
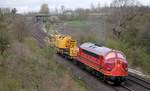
<point x="140" y="82"/>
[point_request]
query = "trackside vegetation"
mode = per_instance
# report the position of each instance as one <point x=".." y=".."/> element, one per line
<point x="24" y="66"/>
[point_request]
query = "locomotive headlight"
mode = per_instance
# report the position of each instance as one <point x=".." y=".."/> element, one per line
<point x="119" y="65"/>
<point x="125" y="66"/>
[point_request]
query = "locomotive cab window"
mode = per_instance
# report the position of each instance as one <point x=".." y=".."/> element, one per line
<point x="119" y="55"/>
<point x="110" y="55"/>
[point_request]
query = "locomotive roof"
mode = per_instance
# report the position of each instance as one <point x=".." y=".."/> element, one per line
<point x="94" y="48"/>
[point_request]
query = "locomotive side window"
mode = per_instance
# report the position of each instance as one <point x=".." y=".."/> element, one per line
<point x="90" y="53"/>
<point x="110" y="55"/>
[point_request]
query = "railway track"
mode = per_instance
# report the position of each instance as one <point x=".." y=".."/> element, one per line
<point x="127" y="88"/>
<point x="140" y="82"/>
<point x="141" y="79"/>
<point x="133" y="83"/>
<point x="39" y="35"/>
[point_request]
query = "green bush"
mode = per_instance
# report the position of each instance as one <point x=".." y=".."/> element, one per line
<point x="48" y="52"/>
<point x="4" y="34"/>
<point x="79" y="24"/>
<point x="87" y="38"/>
<point x="138" y="58"/>
<point x="4" y="41"/>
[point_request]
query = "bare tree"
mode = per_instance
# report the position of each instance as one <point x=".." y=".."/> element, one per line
<point x="92" y="7"/>
<point x="20" y="28"/>
<point x="123" y="11"/>
<point x="82" y="13"/>
<point x="14" y="11"/>
<point x="44" y="9"/>
<point x="62" y="9"/>
<point x="124" y="3"/>
<point x="98" y="7"/>
<point x="56" y="11"/>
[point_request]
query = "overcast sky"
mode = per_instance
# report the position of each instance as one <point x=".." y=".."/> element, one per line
<point x="34" y="5"/>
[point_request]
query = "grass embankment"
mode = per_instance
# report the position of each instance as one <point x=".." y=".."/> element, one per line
<point x="83" y="30"/>
<point x="29" y="68"/>
<point x="79" y="24"/>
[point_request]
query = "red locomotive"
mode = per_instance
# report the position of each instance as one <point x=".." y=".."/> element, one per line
<point x="104" y="62"/>
<point x="110" y="63"/>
